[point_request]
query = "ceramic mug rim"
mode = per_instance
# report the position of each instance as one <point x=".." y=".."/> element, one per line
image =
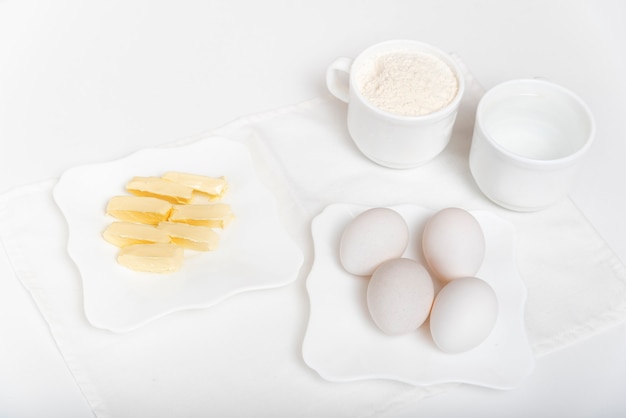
<point x="530" y="161"/>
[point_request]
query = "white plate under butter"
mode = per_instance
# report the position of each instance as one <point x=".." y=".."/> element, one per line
<point x="342" y="343"/>
<point x="255" y="252"/>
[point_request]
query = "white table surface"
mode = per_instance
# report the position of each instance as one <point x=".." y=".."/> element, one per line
<point x="83" y="82"/>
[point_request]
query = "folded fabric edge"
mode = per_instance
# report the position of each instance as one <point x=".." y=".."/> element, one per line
<point x="418" y="393"/>
<point x="246" y="120"/>
<point x="594" y="326"/>
<point x="83" y="383"/>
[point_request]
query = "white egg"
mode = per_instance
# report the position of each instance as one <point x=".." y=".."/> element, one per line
<point x="400" y="294"/>
<point x="454" y="244"/>
<point x="463" y="315"/>
<point x="374" y="236"/>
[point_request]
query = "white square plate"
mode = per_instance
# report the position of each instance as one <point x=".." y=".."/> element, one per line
<point x="342" y="343"/>
<point x="255" y="251"/>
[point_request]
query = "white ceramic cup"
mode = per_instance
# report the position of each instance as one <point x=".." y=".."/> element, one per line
<point x="530" y="138"/>
<point x="390" y="139"/>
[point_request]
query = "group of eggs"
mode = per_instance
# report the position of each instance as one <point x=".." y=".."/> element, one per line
<point x="401" y="291"/>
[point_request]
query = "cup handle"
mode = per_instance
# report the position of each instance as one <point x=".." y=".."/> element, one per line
<point x="337" y="83"/>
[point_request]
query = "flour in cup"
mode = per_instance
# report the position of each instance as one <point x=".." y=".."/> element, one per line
<point x="409" y="83"/>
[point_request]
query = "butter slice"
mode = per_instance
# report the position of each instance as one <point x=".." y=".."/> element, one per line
<point x="139" y="209"/>
<point x="123" y="233"/>
<point x="160" y="188"/>
<point x="213" y="215"/>
<point x="152" y="258"/>
<point x="194" y="237"/>
<point x="215" y="187"/>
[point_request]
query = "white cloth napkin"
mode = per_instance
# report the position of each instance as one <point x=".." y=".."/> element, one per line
<point x="243" y="356"/>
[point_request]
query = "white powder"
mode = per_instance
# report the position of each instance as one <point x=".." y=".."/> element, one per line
<point x="409" y="84"/>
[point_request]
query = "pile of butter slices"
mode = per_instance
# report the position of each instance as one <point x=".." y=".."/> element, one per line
<point x="163" y="216"/>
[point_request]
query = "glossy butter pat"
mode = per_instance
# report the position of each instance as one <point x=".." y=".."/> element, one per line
<point x="152" y="258"/>
<point x="212" y="186"/>
<point x="194" y="237"/>
<point x="139" y="209"/>
<point x="213" y="215"/>
<point x="122" y="234"/>
<point x="161" y="188"/>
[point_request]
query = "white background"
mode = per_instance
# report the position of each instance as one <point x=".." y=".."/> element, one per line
<point x="83" y="82"/>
